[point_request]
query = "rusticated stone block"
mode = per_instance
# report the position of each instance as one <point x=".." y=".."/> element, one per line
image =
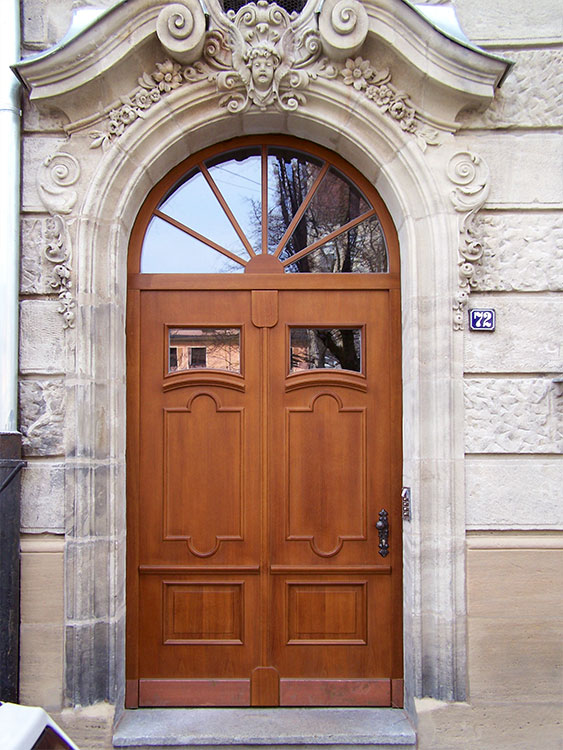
<point x="528" y="335"/>
<point x="87" y="661"/>
<point x="42" y="500"/>
<point x="521" y="252"/>
<point x="513" y="416"/>
<point x="510" y="20"/>
<point x="526" y="167"/>
<point x="41" y="336"/>
<point x="513" y="493"/>
<point x="531" y="95"/>
<point x="42" y="405"/>
<point x="36" y="271"/>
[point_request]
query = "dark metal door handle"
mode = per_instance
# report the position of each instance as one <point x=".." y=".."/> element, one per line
<point x="382" y="527"/>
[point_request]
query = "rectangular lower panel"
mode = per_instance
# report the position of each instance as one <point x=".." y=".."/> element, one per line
<point x="295" y="692"/>
<point x="176" y="693"/>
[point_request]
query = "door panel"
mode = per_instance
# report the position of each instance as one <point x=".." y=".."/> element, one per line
<point x="332" y="590"/>
<point x="259" y="492"/>
<point x="199" y="530"/>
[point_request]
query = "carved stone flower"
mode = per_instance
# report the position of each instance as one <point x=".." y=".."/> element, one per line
<point x="116" y="126"/>
<point x="143" y="100"/>
<point x="168" y="76"/>
<point x="381" y="95"/>
<point x="398" y="109"/>
<point x="127" y="114"/>
<point x="403" y="113"/>
<point x="357" y="73"/>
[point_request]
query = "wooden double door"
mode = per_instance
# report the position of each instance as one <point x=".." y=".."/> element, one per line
<point x="264" y="460"/>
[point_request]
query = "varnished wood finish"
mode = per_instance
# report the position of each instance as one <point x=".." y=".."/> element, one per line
<point x="265" y="687"/>
<point x="176" y="693"/>
<point x="253" y="497"/>
<point x="264" y="308"/>
<point x="334" y="692"/>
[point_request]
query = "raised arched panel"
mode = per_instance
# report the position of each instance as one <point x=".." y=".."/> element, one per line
<point x="326" y="473"/>
<point x="209" y="435"/>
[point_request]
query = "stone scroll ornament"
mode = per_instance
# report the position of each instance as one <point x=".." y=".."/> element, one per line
<point x="470" y="175"/>
<point x="55" y="183"/>
<point x="262" y="57"/>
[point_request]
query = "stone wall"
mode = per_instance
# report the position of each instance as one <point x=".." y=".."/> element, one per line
<point x="513" y="407"/>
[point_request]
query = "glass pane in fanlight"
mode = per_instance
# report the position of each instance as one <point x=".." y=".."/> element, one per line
<point x="325" y="349"/>
<point x="194" y="204"/>
<point x="167" y="249"/>
<point x="290" y="176"/>
<point x="336" y="202"/>
<point x="359" y="250"/>
<point x="238" y="175"/>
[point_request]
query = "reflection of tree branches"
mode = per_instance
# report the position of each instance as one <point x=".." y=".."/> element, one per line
<point x="343" y="345"/>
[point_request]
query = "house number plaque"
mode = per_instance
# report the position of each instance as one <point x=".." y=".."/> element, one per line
<point x="482" y="320"/>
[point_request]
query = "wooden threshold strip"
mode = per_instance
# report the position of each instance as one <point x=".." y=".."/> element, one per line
<point x="304" y="692"/>
<point x="174" y="693"/>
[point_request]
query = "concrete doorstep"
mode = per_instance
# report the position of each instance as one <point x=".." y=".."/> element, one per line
<point x="334" y="728"/>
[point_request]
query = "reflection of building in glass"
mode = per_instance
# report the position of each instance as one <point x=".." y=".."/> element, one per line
<point x="211" y="348"/>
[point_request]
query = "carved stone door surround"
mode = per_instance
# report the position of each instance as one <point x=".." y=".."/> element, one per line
<point x="373" y="81"/>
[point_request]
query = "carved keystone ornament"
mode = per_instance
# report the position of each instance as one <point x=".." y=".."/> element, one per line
<point x="263" y="57"/>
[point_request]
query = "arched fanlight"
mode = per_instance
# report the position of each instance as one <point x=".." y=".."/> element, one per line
<point x="264" y="208"/>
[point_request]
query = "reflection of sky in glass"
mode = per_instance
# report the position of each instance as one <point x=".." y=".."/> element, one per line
<point x="195" y="205"/>
<point x="169" y="250"/>
<point x="240" y="185"/>
<point x="237" y="175"/>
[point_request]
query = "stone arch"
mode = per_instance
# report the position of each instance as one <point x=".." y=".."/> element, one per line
<point x="427" y="227"/>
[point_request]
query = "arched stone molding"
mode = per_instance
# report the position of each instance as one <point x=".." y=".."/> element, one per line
<point x="416" y="188"/>
<point x="434" y="607"/>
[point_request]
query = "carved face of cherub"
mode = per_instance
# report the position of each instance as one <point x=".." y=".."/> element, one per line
<point x="263" y="63"/>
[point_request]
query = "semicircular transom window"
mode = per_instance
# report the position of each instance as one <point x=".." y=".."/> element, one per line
<point x="264" y="209"/>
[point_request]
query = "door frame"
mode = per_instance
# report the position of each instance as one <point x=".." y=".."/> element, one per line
<point x="137" y="283"/>
<point x="416" y="189"/>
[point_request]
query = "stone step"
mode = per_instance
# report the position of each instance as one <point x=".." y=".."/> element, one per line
<point x="237" y="728"/>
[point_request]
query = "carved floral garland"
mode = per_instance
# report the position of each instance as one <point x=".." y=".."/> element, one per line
<point x="375" y="85"/>
<point x="57" y="251"/>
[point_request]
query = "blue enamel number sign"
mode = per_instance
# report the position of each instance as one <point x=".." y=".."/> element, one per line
<point x="482" y="320"/>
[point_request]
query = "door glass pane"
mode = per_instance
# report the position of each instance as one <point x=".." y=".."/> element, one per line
<point x="167" y="249"/>
<point x="238" y="175"/>
<point x="204" y="348"/>
<point x="194" y="204"/>
<point x="359" y="250"/>
<point x="290" y="176"/>
<point x="325" y="348"/>
<point x="236" y="183"/>
<point x="335" y="203"/>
